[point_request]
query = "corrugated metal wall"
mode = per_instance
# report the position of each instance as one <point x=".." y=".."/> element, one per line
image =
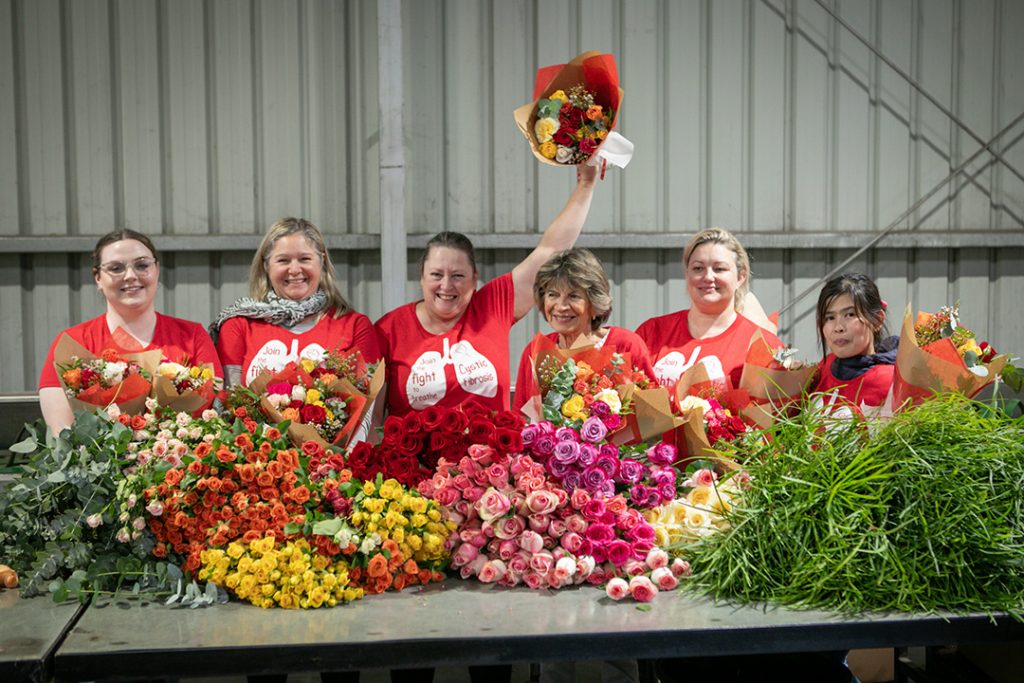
<point x="203" y="121"/>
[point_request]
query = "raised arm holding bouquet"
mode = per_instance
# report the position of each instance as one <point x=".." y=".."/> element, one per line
<point x="126" y="269"/>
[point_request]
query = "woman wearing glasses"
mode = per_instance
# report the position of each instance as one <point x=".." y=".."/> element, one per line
<point x="126" y="268"/>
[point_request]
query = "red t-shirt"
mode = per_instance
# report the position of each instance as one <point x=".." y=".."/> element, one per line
<point x="257" y="345"/>
<point x="469" y="362"/>
<point x="619" y="339"/>
<point x="870" y="389"/>
<point x="674" y="350"/>
<point x="180" y="340"/>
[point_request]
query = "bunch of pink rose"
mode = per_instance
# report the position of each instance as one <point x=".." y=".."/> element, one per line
<point x="582" y="459"/>
<point x="518" y="525"/>
<point x="664" y="576"/>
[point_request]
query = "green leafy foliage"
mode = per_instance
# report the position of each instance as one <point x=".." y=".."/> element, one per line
<point x="63" y="522"/>
<point x="925" y="514"/>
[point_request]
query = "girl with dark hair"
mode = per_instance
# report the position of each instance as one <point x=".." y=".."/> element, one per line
<point x="859" y="355"/>
<point x="126" y="268"/>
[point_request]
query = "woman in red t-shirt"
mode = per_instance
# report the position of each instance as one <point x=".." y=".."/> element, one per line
<point x="572" y="293"/>
<point x="451" y="346"/>
<point x="126" y="268"/>
<point x="295" y="310"/>
<point x="859" y="355"/>
<point x="724" y="316"/>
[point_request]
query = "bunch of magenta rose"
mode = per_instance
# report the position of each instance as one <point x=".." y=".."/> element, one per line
<point x="185" y="387"/>
<point x="518" y="525"/>
<point x="582" y="459"/>
<point x="413" y="445"/>
<point x="701" y="510"/>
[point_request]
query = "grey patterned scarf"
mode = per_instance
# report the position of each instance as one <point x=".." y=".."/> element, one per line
<point x="273" y="309"/>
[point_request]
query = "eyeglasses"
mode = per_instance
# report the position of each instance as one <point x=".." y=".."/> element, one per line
<point x="141" y="266"/>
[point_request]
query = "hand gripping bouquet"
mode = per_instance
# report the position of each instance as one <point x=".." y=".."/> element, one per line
<point x="772" y="381"/>
<point x="573" y="112"/>
<point x="185" y="388"/>
<point x="325" y="400"/>
<point x="112" y="378"/>
<point x="937" y="354"/>
<point x="569" y="383"/>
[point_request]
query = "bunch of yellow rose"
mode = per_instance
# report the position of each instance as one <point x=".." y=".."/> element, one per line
<point x="387" y="510"/>
<point x="289" y="575"/>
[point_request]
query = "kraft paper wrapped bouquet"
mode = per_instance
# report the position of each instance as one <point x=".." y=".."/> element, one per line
<point x="574" y="109"/>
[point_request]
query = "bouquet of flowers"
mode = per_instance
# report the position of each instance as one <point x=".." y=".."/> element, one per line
<point x="571" y="386"/>
<point x="938" y="354"/>
<point x="707" y="423"/>
<point x="113" y="377"/>
<point x="324" y="401"/>
<point x="772" y="379"/>
<point x="183" y="387"/>
<point x="573" y="111"/>
<point x="413" y="445"/>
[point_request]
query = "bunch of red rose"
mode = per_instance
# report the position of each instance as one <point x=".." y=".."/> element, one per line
<point x="412" y="445"/>
<point x="241" y="485"/>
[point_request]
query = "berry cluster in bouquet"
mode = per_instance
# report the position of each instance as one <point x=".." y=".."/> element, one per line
<point x="938" y="354"/>
<point x="184" y="387"/>
<point x="412" y="446"/>
<point x="574" y="109"/>
<point x="111" y="378"/>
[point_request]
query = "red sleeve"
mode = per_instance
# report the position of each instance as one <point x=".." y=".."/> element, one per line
<point x="48" y="375"/>
<point x="366" y="338"/>
<point x="231" y="341"/>
<point x="524" y="379"/>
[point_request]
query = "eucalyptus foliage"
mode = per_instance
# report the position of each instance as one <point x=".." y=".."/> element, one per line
<point x="925" y="514"/>
<point x="69" y="480"/>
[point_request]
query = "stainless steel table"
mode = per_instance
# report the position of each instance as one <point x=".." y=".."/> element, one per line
<point x="30" y="631"/>
<point x="458" y="623"/>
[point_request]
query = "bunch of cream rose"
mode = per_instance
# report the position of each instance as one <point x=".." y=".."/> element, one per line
<point x="583" y="459"/>
<point x="701" y="510"/>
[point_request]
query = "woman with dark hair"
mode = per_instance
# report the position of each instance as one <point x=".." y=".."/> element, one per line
<point x="451" y="346"/>
<point x="126" y="268"/>
<point x="572" y="293"/>
<point x="859" y="356"/>
<point x="294" y="309"/>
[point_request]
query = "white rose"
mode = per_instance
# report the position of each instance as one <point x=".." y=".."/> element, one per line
<point x="610" y="397"/>
<point x="113" y="372"/>
<point x="563" y="155"/>
<point x="298" y="393"/>
<point x="170" y="370"/>
<point x="693" y="403"/>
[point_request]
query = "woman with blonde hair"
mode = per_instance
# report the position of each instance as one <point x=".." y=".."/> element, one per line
<point x="294" y="309"/>
<point x="717" y="329"/>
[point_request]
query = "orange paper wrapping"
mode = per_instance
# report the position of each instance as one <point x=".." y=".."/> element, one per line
<point x="192" y="401"/>
<point x="770" y="389"/>
<point x="937" y="367"/>
<point x="129" y="396"/>
<point x="597" y="73"/>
